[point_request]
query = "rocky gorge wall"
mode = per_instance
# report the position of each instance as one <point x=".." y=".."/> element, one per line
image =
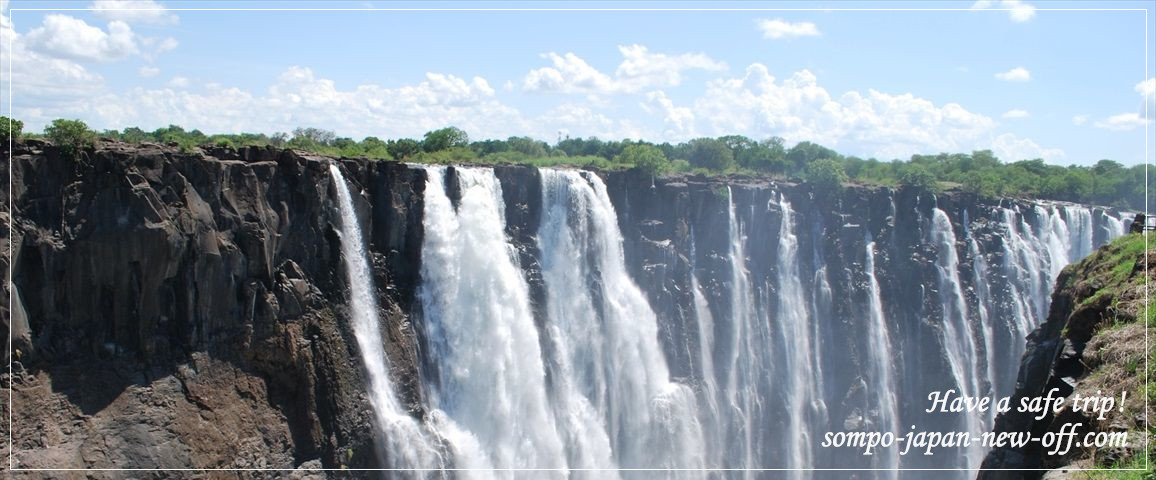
<point x="196" y="301"/>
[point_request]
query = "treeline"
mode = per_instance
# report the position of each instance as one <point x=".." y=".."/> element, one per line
<point x="980" y="172"/>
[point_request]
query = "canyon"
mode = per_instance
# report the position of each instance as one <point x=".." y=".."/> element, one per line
<point x="267" y="308"/>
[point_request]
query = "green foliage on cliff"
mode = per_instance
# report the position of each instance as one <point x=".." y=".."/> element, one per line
<point x="980" y="172"/>
<point x="10" y="129"/>
<point x="648" y="158"/>
<point x="825" y="173"/>
<point x="70" y="135"/>
<point x="1112" y="316"/>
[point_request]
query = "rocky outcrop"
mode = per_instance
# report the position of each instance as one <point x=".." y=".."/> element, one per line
<point x="1093" y="343"/>
<point x="196" y="302"/>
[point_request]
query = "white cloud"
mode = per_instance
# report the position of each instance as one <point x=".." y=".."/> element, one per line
<point x="148" y="71"/>
<point x="1017" y="10"/>
<point x="69" y="37"/>
<point x="178" y="82"/>
<point x="1016" y="113"/>
<point x="876" y="123"/>
<point x="640" y="69"/>
<point x="1122" y="122"/>
<point x="1011" y="148"/>
<point x="1018" y="74"/>
<point x="43" y="83"/>
<point x="1147" y="88"/>
<point x="153" y="46"/>
<point x="678" y="121"/>
<point x="778" y="28"/>
<point x="1079" y="120"/>
<point x="134" y="11"/>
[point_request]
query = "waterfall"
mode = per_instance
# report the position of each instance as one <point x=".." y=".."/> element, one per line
<point x="405" y="445"/>
<point x="572" y="374"/>
<point x="490" y="380"/>
<point x="606" y="334"/>
<point x="958" y="342"/>
<point x="879" y="369"/>
<point x="804" y="402"/>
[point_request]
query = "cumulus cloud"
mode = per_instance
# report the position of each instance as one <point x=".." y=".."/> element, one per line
<point x="148" y="71"/>
<point x="1079" y="120"/>
<point x="134" y="11"/>
<point x="1011" y="148"/>
<point x="1017" y="10"/>
<point x="1016" y="113"/>
<point x="678" y="121"/>
<point x="1147" y="89"/>
<point x="42" y="82"/>
<point x="69" y="37"/>
<point x="1122" y="122"/>
<point x="778" y="28"/>
<point x="875" y="123"/>
<point x="640" y="70"/>
<point x="1018" y="74"/>
<point x="300" y="98"/>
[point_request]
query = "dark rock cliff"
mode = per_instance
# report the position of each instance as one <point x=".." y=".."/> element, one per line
<point x="196" y="301"/>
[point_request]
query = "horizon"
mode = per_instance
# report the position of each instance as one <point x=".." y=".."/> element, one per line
<point x="873" y="84"/>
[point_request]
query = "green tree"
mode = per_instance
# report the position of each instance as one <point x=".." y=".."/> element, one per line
<point x="711" y="154"/>
<point x="647" y="158"/>
<point x="10" y="129"/>
<point x="70" y="135"/>
<point x="825" y="174"/>
<point x="803" y="153"/>
<point x="308" y="137"/>
<point x="918" y="176"/>
<point x="134" y="135"/>
<point x="402" y="148"/>
<point x="444" y="139"/>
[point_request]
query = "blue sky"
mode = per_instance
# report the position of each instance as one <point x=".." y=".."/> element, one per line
<point x="1012" y="76"/>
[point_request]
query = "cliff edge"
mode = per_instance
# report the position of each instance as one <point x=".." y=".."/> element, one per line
<point x="1092" y="343"/>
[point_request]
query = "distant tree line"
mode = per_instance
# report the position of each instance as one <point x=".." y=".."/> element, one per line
<point x="1105" y="183"/>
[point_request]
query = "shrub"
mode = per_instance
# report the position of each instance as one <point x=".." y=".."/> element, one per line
<point x="825" y="173"/>
<point x="647" y="158"/>
<point x="10" y="129"/>
<point x="918" y="176"/>
<point x="70" y="135"/>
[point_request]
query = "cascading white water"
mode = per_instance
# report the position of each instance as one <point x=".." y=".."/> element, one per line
<point x="714" y="431"/>
<point x="880" y="368"/>
<point x="490" y="380"/>
<point x="980" y="272"/>
<point x="958" y="342"/>
<point x="606" y="334"/>
<point x="804" y="402"/>
<point x="580" y="380"/>
<point x="405" y="444"/>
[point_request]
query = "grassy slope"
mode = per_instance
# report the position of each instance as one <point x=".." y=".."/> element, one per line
<point x="1109" y="291"/>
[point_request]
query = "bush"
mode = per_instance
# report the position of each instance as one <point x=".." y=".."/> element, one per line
<point x="647" y="158"/>
<point x="10" y="129"/>
<point x="70" y="135"/>
<point x="825" y="173"/>
<point x="710" y="153"/>
<point x="918" y="176"/>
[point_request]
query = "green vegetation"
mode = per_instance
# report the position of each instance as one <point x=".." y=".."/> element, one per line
<point x="1110" y="285"/>
<point x="10" y="129"/>
<point x="646" y="157"/>
<point x="70" y="135"/>
<point x="980" y="172"/>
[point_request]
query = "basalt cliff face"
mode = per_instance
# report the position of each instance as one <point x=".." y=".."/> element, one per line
<point x="189" y="310"/>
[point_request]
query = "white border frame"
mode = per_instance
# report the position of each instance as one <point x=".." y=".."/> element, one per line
<point x="1147" y="159"/>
